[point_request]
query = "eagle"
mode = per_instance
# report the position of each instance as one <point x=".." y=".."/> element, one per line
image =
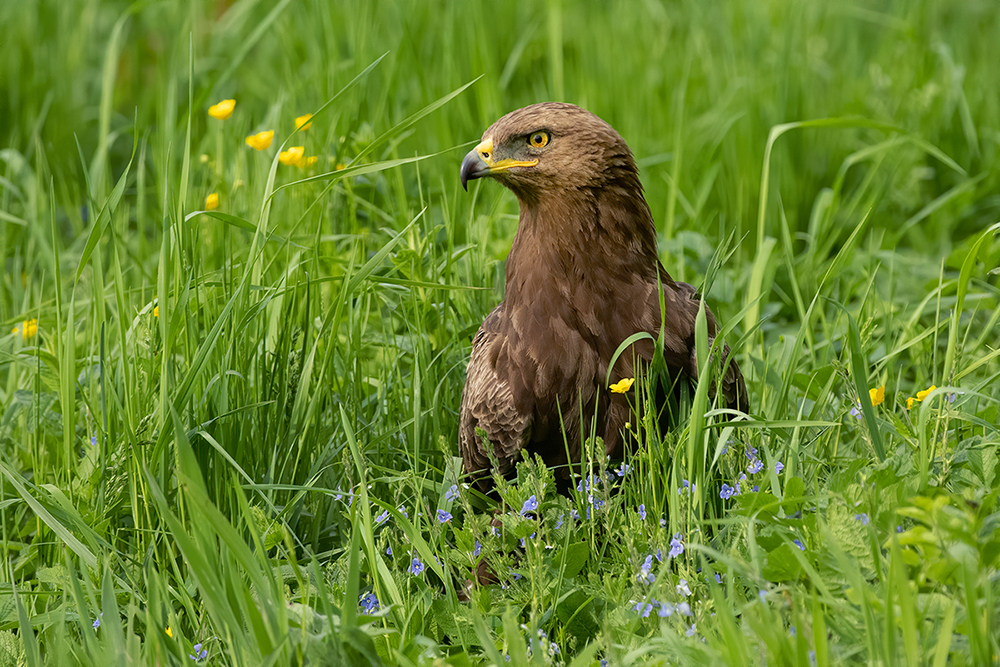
<point x="582" y="276"/>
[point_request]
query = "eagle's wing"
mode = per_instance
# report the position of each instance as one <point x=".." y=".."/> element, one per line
<point x="682" y="322"/>
<point x="489" y="404"/>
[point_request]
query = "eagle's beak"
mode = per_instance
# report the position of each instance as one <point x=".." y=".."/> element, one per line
<point x="481" y="161"/>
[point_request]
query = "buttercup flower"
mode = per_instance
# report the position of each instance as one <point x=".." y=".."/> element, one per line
<point x="302" y="122"/>
<point x="622" y="386"/>
<point x="156" y="311"/>
<point x="877" y="395"/>
<point x="308" y="161"/>
<point x="212" y="201"/>
<point x="260" y="141"/>
<point x="28" y="328"/>
<point x="921" y="395"/>
<point x="292" y="157"/>
<point x="222" y="110"/>
<point x="170" y="633"/>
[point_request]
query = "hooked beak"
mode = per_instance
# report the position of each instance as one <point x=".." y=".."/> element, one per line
<point x="480" y="162"/>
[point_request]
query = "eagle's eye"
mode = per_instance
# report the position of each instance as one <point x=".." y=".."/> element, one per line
<point x="539" y="139"/>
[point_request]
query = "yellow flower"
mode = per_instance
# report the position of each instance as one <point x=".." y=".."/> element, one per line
<point x="222" y="110"/>
<point x="27" y="329"/>
<point x="308" y="161"/>
<point x="260" y="141"/>
<point x="170" y="633"/>
<point x="877" y="395"/>
<point x="921" y="395"/>
<point x="302" y="122"/>
<point x="292" y="157"/>
<point x="156" y="311"/>
<point x="212" y="201"/>
<point x="622" y="386"/>
<point x="340" y="165"/>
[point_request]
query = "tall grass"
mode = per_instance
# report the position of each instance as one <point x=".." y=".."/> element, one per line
<point x="233" y="430"/>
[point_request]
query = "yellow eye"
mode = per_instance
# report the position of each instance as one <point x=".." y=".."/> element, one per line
<point x="539" y="139"/>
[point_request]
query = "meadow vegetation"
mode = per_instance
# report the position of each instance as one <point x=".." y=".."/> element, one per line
<point x="230" y="373"/>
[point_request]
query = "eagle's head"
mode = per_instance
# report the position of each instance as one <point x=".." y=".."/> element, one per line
<point x="551" y="149"/>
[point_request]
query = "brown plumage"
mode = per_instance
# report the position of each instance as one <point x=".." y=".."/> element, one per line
<point x="582" y="277"/>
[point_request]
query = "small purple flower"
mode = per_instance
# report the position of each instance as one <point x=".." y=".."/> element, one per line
<point x="684" y="609"/>
<point x="97" y="621"/>
<point x="676" y="546"/>
<point x="899" y="529"/>
<point x="451" y="493"/>
<point x="666" y="609"/>
<point x="778" y="467"/>
<point x="755" y="488"/>
<point x="443" y="517"/>
<point x="791" y="630"/>
<point x="530" y="505"/>
<point x="659" y="555"/>
<point x="727" y="492"/>
<point x="642" y="511"/>
<point x="645" y="575"/>
<point x="718" y="578"/>
<point x="402" y="510"/>
<point x="369" y="602"/>
<point x="382" y="518"/>
<point x="856" y="412"/>
<point x="643" y="608"/>
<point x="663" y="522"/>
<point x="863" y="518"/>
<point x="93" y="438"/>
<point x="495" y="531"/>
<point x="750" y="453"/>
<point x="799" y="544"/>
<point x="756" y="465"/>
<point x="478" y="550"/>
<point x="623" y="469"/>
<point x="690" y="631"/>
<point x="416" y="567"/>
<point x="559" y="523"/>
<point x="199" y="653"/>
<point x="388" y="550"/>
<point x="682" y="588"/>
<point x="573" y="514"/>
<point x="762" y="594"/>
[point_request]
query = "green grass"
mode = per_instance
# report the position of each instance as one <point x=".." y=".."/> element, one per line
<point x="223" y="467"/>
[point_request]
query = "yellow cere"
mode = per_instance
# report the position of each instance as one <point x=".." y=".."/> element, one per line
<point x="222" y="110"/>
<point x="260" y="141"/>
<point x="622" y="386"/>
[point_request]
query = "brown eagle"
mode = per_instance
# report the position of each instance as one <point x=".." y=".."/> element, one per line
<point x="582" y="276"/>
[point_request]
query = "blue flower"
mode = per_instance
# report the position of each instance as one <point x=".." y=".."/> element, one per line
<point x="402" y="510"/>
<point x="369" y="602"/>
<point x="682" y="588"/>
<point x="684" y="609"/>
<point x="530" y="505"/>
<point x="756" y="465"/>
<point x="381" y="518"/>
<point x="718" y="578"/>
<point x="623" y="469"/>
<point x="778" y="467"/>
<point x="899" y="529"/>
<point x="727" y="492"/>
<point x="676" y="546"/>
<point x="791" y="630"/>
<point x="199" y="653"/>
<point x="478" y="550"/>
<point x="642" y="511"/>
<point x="666" y="609"/>
<point x="573" y="514"/>
<point x="750" y="453"/>
<point x="799" y="544"/>
<point x="863" y="518"/>
<point x="856" y="412"/>
<point x="659" y="555"/>
<point x="643" y="608"/>
<point x="645" y="575"/>
<point x="762" y="594"/>
<point x="444" y="517"/>
<point x="451" y="493"/>
<point x="559" y="523"/>
<point x="690" y="631"/>
<point x="93" y="438"/>
<point x="663" y="522"/>
<point x="97" y="621"/>
<point x="416" y="567"/>
<point x="388" y="550"/>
